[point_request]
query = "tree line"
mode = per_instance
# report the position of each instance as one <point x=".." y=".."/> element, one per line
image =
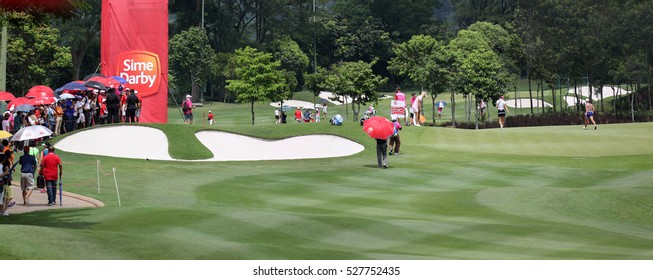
<point x="477" y="48"/>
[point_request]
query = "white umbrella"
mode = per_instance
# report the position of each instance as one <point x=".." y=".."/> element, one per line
<point x="31" y="132"/>
<point x="67" y="96"/>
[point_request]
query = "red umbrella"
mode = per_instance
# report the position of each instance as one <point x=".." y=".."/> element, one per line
<point x="41" y="101"/>
<point x="18" y="101"/>
<point x="378" y="127"/>
<point x="40" y="91"/>
<point x="6" y="96"/>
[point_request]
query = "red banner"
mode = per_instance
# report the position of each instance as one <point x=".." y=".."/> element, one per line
<point x="134" y="45"/>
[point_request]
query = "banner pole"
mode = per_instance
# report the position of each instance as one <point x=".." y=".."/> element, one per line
<point x="117" y="191"/>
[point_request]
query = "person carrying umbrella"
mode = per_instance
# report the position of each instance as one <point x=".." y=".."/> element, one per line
<point x="380" y="129"/>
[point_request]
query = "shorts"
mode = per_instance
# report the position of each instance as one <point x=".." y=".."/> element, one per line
<point x="27" y="181"/>
<point x="589" y="114"/>
<point x="81" y="118"/>
<point x="8" y="193"/>
<point x="188" y="117"/>
<point x="502" y="113"/>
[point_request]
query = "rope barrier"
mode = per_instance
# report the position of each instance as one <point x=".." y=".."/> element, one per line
<point x="101" y="173"/>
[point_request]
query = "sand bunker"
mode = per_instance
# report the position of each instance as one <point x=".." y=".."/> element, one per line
<point x="526" y="103"/>
<point x="140" y="142"/>
<point x="234" y="147"/>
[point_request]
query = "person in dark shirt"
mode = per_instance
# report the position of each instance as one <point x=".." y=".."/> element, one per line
<point x="27" y="170"/>
<point x="132" y="105"/>
<point x="113" y="103"/>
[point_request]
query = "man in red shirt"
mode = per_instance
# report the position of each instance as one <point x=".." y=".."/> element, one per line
<point x="49" y="166"/>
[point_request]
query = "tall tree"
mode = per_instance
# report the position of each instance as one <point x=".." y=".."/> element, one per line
<point x="80" y="32"/>
<point x="356" y="81"/>
<point x="425" y="61"/>
<point x="478" y="69"/>
<point x="191" y="59"/>
<point x="34" y="54"/>
<point x="258" y="77"/>
<point x="292" y="59"/>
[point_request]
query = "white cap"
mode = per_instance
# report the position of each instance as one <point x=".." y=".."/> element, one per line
<point x="188" y="96"/>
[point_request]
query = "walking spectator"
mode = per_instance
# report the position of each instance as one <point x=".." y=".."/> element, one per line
<point x="27" y="170"/>
<point x="6" y="193"/>
<point x="52" y="170"/>
<point x="395" y="141"/>
<point x="502" y="111"/>
<point x="382" y="152"/>
<point x="187" y="108"/>
<point x="589" y="113"/>
<point x="277" y="116"/>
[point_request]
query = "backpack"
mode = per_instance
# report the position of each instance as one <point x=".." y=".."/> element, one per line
<point x="185" y="107"/>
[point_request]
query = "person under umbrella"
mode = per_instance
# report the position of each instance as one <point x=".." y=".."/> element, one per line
<point x="380" y="129"/>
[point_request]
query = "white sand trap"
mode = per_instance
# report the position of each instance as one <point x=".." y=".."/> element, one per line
<point x="234" y="147"/>
<point x="330" y="95"/>
<point x="293" y="103"/>
<point x="146" y="142"/>
<point x="607" y="92"/>
<point x="526" y="103"/>
<point x="118" y="141"/>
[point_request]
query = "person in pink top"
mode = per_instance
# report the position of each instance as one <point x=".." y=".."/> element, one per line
<point x="52" y="171"/>
<point x="400" y="96"/>
<point x="417" y="107"/>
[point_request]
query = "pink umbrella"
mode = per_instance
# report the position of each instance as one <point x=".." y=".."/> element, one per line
<point x="18" y="101"/>
<point x="378" y="127"/>
<point x="41" y="101"/>
<point x="40" y="91"/>
<point x="6" y="96"/>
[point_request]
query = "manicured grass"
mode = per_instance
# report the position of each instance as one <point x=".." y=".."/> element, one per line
<point x="522" y="193"/>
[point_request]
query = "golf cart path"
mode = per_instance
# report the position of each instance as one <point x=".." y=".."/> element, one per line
<point x="39" y="202"/>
